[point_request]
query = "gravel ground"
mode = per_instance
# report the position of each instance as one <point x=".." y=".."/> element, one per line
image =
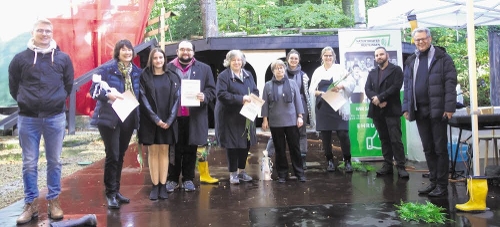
<point x="79" y="150"/>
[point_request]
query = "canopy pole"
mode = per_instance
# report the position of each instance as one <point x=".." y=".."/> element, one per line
<point x="471" y="44"/>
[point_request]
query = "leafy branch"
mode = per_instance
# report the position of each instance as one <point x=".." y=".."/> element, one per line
<point x="428" y="213"/>
<point x="334" y="84"/>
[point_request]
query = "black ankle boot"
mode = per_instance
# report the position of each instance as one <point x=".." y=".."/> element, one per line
<point x="112" y="202"/>
<point x="163" y="192"/>
<point x="154" y="192"/>
<point x="122" y="199"/>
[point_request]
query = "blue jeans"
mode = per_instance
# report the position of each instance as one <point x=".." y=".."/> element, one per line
<point x="30" y="131"/>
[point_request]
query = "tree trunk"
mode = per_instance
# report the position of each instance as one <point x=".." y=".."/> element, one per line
<point x="209" y="17"/>
<point x="359" y="14"/>
<point x="494" y="49"/>
<point x="347" y="7"/>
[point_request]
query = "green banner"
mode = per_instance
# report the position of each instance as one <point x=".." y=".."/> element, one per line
<point x="364" y="137"/>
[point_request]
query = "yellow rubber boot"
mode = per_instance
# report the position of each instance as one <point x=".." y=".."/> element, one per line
<point x="205" y="174"/>
<point x="478" y="190"/>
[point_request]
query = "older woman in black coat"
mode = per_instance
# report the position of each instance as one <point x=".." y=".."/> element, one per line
<point x="233" y="89"/>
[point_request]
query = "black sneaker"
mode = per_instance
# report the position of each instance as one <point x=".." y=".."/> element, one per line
<point x="330" y="167"/>
<point x="402" y="173"/>
<point x="386" y="169"/>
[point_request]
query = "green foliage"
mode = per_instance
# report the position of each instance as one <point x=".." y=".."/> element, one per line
<point x="428" y="213"/>
<point x="358" y="166"/>
<point x="253" y="16"/>
<point x="186" y="23"/>
<point x="456" y="45"/>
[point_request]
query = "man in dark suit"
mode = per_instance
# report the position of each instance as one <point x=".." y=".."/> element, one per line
<point x="192" y="120"/>
<point x="382" y="87"/>
<point x="430" y="98"/>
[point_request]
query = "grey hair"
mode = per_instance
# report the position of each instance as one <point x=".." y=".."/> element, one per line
<point x="421" y="29"/>
<point x="234" y="53"/>
<point x="277" y="63"/>
<point x="42" y="21"/>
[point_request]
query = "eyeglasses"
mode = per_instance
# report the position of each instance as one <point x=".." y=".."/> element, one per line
<point x="328" y="56"/>
<point x="185" y="50"/>
<point x="421" y="40"/>
<point x="46" y="31"/>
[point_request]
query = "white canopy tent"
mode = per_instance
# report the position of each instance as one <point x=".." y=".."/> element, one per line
<point x="455" y="14"/>
<point x="433" y="13"/>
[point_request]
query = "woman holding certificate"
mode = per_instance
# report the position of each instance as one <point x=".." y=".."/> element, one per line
<point x="283" y="114"/>
<point x="330" y="86"/>
<point x="121" y="76"/>
<point x="233" y="131"/>
<point x="159" y="102"/>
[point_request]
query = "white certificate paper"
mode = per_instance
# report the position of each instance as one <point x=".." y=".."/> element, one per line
<point x="335" y="99"/>
<point x="189" y="90"/>
<point x="252" y="109"/>
<point x="123" y="107"/>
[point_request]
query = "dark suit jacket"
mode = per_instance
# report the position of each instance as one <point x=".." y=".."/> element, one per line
<point x="387" y="89"/>
<point x="198" y="116"/>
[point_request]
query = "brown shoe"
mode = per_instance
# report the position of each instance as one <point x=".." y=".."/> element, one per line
<point x="30" y="211"/>
<point x="54" y="209"/>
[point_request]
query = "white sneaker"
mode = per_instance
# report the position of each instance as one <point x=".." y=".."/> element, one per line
<point x="244" y="176"/>
<point x="233" y="178"/>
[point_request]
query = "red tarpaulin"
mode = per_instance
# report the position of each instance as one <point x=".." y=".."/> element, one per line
<point x="91" y="31"/>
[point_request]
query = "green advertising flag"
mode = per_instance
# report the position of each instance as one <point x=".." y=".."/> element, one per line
<point x="364" y="137"/>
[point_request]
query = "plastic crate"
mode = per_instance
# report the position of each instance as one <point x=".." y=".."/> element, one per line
<point x="462" y="152"/>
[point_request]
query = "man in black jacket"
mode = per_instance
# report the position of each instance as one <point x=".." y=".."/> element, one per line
<point x="430" y="99"/>
<point x="40" y="80"/>
<point x="382" y="87"/>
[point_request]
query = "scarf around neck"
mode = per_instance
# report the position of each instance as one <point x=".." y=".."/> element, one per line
<point x="179" y="66"/>
<point x="294" y="71"/>
<point x="125" y="70"/>
<point x="287" y="90"/>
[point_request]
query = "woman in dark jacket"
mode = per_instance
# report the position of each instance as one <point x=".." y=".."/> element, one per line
<point x="159" y="101"/>
<point x="233" y="89"/>
<point x="122" y="75"/>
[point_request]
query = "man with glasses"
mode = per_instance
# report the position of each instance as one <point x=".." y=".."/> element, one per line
<point x="430" y="79"/>
<point x="192" y="121"/>
<point x="40" y="80"/>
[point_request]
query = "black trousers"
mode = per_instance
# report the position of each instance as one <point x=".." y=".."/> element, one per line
<point x="282" y="136"/>
<point x="389" y="132"/>
<point x="432" y="133"/>
<point x="345" y="144"/>
<point x="185" y="155"/>
<point x="116" y="141"/>
<point x="237" y="158"/>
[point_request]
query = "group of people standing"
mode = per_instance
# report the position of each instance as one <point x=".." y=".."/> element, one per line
<point x="170" y="131"/>
<point x="41" y="78"/>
